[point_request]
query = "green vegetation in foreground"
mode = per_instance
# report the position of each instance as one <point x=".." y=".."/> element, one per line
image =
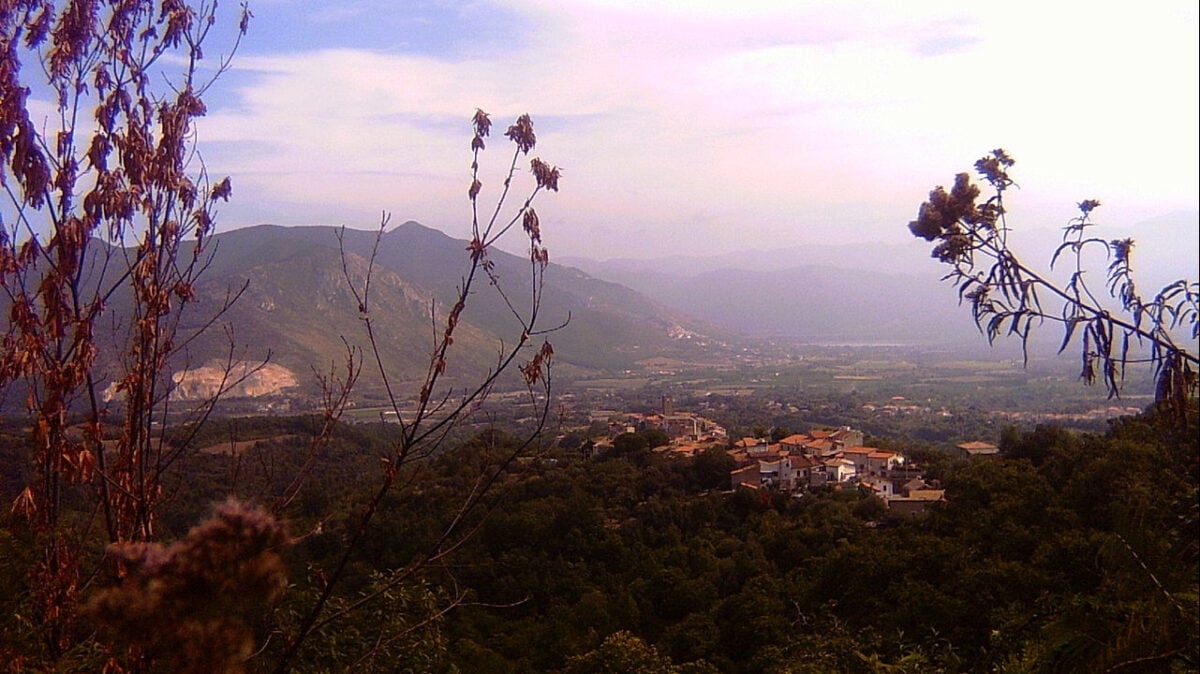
<point x="1074" y="552"/>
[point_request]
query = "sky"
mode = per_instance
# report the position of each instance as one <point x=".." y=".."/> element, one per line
<point x="692" y="128"/>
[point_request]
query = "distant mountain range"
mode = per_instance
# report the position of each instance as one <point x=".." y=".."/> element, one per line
<point x="299" y="310"/>
<point x="868" y="292"/>
<point x="298" y="306"/>
<point x="809" y="302"/>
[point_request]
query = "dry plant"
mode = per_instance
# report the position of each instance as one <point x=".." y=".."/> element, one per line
<point x="437" y="408"/>
<point x="191" y="604"/>
<point x="1006" y="294"/>
<point x="106" y="204"/>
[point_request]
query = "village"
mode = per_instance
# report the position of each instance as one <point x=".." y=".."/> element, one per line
<point x="834" y="458"/>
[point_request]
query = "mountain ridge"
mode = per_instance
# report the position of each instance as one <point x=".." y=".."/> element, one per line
<point x="299" y="302"/>
<point x="299" y="311"/>
<point x="890" y="290"/>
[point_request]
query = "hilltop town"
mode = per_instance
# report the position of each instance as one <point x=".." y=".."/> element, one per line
<point x="833" y="458"/>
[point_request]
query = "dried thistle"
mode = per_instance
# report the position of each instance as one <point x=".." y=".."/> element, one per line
<point x="192" y="603"/>
<point x="1004" y="297"/>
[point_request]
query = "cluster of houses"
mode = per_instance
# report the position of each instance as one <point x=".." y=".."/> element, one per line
<point x="835" y="458"/>
<point x="799" y="462"/>
<point x="690" y="434"/>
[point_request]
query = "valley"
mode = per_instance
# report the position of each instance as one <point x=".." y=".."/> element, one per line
<point x="609" y="339"/>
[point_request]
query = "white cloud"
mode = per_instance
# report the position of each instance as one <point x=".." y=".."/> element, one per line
<point x="681" y="128"/>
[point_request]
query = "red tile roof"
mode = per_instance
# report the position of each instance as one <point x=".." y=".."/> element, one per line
<point x="796" y="439"/>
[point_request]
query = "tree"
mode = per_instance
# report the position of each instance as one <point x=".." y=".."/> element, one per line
<point x="629" y="445"/>
<point x="106" y="202"/>
<point x="655" y="437"/>
<point x="711" y="468"/>
<point x="624" y="653"/>
<point x="779" y="432"/>
<point x="1006" y="294"/>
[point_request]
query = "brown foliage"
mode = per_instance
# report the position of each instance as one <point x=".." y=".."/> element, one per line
<point x="105" y="203"/>
<point x="191" y="603"/>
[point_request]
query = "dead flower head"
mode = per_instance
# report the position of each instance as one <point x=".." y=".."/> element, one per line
<point x="545" y="174"/>
<point x="521" y="133"/>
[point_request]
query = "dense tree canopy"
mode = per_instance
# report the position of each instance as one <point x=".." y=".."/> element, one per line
<point x="1071" y="551"/>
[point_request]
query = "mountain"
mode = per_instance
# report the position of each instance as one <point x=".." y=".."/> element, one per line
<point x="824" y="304"/>
<point x="299" y="312"/>
<point x="298" y="307"/>
<point x="868" y="292"/>
<point x="807" y="301"/>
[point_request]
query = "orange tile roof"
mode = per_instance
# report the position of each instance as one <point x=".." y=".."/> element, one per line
<point x="795" y="439"/>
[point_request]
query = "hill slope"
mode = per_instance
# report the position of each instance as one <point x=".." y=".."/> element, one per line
<point x="298" y="305"/>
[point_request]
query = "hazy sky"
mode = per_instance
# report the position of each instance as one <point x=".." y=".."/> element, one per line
<point x="689" y="127"/>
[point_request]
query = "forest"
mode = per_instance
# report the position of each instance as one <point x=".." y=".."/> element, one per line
<point x="1070" y="552"/>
